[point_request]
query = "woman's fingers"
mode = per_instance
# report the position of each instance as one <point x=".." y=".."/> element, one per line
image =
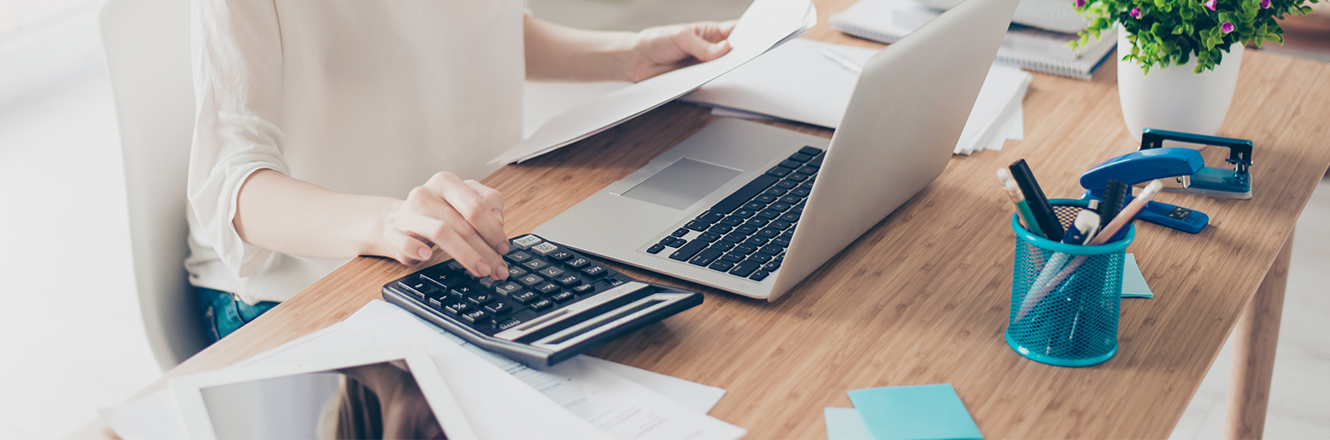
<point x="409" y="249"/>
<point x="481" y="261"/>
<point x="494" y="199"/>
<point x="471" y="206"/>
<point x="690" y="41"/>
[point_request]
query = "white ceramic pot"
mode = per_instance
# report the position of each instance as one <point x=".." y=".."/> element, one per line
<point x="1174" y="98"/>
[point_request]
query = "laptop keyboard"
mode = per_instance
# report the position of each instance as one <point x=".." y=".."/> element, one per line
<point x="746" y="234"/>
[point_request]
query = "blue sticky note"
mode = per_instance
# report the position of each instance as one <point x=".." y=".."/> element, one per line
<point x="1133" y="282"/>
<point x="915" y="413"/>
<point x="845" y="424"/>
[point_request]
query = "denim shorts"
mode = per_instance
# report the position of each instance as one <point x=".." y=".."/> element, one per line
<point x="223" y="312"/>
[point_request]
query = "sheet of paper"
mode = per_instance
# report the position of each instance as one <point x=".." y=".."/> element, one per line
<point x="794" y="81"/>
<point x="701" y="398"/>
<point x="1004" y="86"/>
<point x="914" y="413"/>
<point x="845" y="424"/>
<point x="1133" y="282"/>
<point x="766" y="24"/>
<point x="151" y="417"/>
<point x="542" y="101"/>
<point x="620" y="407"/>
<point x="726" y="112"/>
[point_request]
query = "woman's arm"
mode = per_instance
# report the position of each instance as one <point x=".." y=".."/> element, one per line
<point x="560" y="53"/>
<point x="240" y="190"/>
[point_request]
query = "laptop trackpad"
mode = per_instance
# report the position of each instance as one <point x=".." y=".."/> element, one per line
<point x="682" y="183"/>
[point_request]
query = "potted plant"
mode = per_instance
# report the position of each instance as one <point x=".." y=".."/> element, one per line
<point x="1178" y="59"/>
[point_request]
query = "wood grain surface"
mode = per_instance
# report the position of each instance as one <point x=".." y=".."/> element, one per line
<point x="923" y="297"/>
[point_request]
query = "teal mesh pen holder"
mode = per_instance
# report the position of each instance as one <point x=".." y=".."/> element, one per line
<point x="1065" y="299"/>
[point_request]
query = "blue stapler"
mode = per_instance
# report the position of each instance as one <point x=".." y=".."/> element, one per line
<point x="1144" y="166"/>
<point x="1208" y="181"/>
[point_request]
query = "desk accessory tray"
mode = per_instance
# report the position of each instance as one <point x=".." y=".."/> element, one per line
<point x="556" y="303"/>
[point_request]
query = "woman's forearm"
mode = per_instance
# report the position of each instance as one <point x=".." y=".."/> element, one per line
<point x="291" y="216"/>
<point x="560" y="53"/>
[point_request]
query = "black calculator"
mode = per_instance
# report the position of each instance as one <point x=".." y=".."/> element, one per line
<point x="555" y="304"/>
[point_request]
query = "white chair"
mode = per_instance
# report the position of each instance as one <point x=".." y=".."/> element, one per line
<point x="147" y="52"/>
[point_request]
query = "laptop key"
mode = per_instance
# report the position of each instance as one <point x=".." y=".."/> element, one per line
<point x="675" y="243"/>
<point x="791" y="199"/>
<point x="745" y="249"/>
<point x="745" y="230"/>
<point x="817" y="161"/>
<point x="780" y="206"/>
<point x="709" y="237"/>
<point x="776" y="191"/>
<point x="655" y="248"/>
<point x="764" y="198"/>
<point x="760" y="258"/>
<point x="768" y="214"/>
<point x="732" y="221"/>
<point x="689" y="250"/>
<point x="782" y="242"/>
<point x="755" y="206"/>
<point x="724" y="245"/>
<point x="721" y="229"/>
<point x="781" y="224"/>
<point x="737" y="198"/>
<point x="733" y="237"/>
<point x="800" y="157"/>
<point x="744" y="269"/>
<point x="797" y="177"/>
<point x="759" y="275"/>
<point x="757" y="222"/>
<point x="721" y="265"/>
<point x="808" y="169"/>
<point x="680" y="232"/>
<point x="743" y="213"/>
<point x="787" y="184"/>
<point x="711" y="216"/>
<point x="697" y="226"/>
<point x="732" y="257"/>
<point x="768" y="232"/>
<point x="705" y="257"/>
<point x="779" y="171"/>
<point x="788" y="163"/>
<point x="790" y="217"/>
<point x="771" y="249"/>
<point x="811" y="151"/>
<point x="756" y="241"/>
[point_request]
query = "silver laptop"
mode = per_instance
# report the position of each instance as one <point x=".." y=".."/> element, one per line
<point x="753" y="209"/>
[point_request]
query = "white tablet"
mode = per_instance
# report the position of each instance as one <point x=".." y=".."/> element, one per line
<point x="387" y="393"/>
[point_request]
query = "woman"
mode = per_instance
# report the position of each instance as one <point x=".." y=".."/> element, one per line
<point x="335" y="128"/>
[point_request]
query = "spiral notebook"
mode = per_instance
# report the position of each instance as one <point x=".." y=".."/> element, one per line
<point x="1035" y="49"/>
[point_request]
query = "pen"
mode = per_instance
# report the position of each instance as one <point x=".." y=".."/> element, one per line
<point x="1115" y="195"/>
<point x="843" y="61"/>
<point x="1128" y="213"/>
<point x="1039" y="206"/>
<point x="1022" y="208"/>
<point x="1084" y="227"/>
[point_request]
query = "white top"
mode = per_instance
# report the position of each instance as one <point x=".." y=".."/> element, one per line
<point x="362" y="97"/>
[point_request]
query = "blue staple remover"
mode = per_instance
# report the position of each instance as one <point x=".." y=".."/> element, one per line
<point x="1208" y="181"/>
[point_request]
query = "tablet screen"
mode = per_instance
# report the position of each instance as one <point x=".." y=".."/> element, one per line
<point x="370" y="401"/>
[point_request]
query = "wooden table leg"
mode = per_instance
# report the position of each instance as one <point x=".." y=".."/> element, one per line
<point x="1254" y="341"/>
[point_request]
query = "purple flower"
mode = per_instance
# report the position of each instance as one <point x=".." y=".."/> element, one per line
<point x="1081" y="3"/>
<point x="1226" y="27"/>
<point x="1210" y="4"/>
<point x="1265" y="4"/>
<point x="1135" y="13"/>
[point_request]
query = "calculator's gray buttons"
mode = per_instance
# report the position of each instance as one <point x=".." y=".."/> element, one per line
<point x="526" y="241"/>
<point x="544" y="249"/>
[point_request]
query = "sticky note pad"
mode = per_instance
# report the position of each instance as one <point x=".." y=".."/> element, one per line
<point x="1133" y="282"/>
<point x="914" y="413"/>
<point x="845" y="424"/>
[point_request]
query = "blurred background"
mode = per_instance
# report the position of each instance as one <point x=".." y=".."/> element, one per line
<point x="72" y="337"/>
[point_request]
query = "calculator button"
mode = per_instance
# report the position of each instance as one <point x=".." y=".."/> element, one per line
<point x="568" y="280"/>
<point x="475" y="316"/>
<point x="518" y="256"/>
<point x="487" y="282"/>
<point x="419" y="289"/>
<point x="509" y="323"/>
<point x="526" y="241"/>
<point x="531" y="280"/>
<point x="499" y="309"/>
<point x="535" y="264"/>
<point x="578" y="263"/>
<point x="612" y="282"/>
<point x="507" y="288"/>
<point x="481" y="299"/>
<point x="515" y="272"/>
<point x="583" y="289"/>
<point x="594" y="271"/>
<point x="455" y="266"/>
<point x="457" y="308"/>
<point x="547" y="288"/>
<point x="560" y="255"/>
<point x="463" y="291"/>
<point x="551" y="272"/>
<point x="438" y="303"/>
<point x="541" y="305"/>
<point x="544" y="249"/>
<point x="562" y="297"/>
<point x="444" y="280"/>
<point x="525" y="297"/>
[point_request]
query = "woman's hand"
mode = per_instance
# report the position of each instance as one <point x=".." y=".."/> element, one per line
<point x="665" y="48"/>
<point x="464" y="218"/>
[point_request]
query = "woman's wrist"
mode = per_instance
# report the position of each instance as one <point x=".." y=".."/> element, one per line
<point x="378" y="224"/>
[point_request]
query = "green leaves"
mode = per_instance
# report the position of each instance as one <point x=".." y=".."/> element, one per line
<point x="1174" y="32"/>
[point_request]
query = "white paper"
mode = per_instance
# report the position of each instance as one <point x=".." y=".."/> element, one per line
<point x="1003" y="87"/>
<point x="622" y="408"/>
<point x="701" y="398"/>
<point x="765" y="24"/>
<point x="151" y="417"/>
<point x="794" y="81"/>
<point x="542" y="101"/>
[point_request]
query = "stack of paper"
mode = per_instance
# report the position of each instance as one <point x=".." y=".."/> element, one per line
<point x="902" y="413"/>
<point x="766" y="24"/>
<point x="801" y="81"/>
<point x="583" y="397"/>
<point x="1032" y="48"/>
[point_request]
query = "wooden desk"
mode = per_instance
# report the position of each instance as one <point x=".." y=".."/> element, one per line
<point x="923" y="297"/>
